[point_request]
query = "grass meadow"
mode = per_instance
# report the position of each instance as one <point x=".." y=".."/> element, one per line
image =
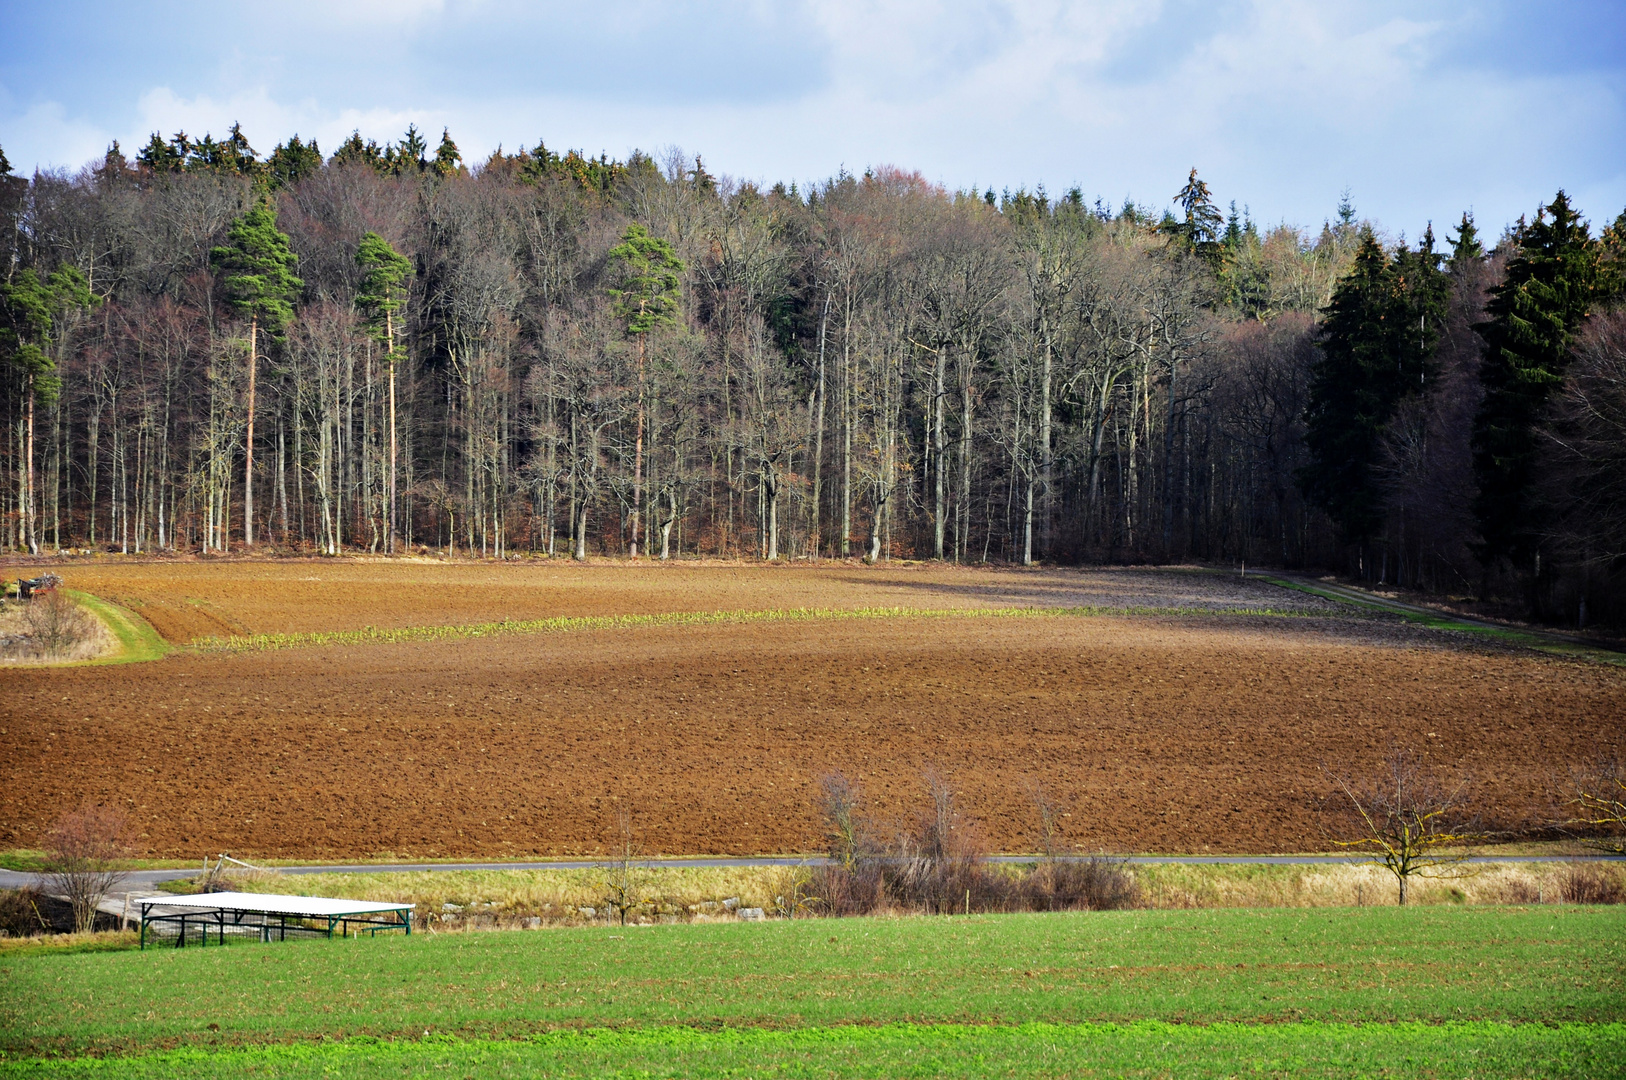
<point x="1445" y="991"/>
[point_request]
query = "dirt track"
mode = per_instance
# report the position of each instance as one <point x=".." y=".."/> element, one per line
<point x="1192" y="735"/>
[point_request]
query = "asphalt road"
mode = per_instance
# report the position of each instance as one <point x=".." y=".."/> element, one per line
<point x="137" y="879"/>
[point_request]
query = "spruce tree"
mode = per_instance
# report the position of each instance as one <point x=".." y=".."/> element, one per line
<point x="258" y="278"/>
<point x="382" y="295"/>
<point x="1465" y="246"/>
<point x="1377" y="344"/>
<point x="1552" y="283"/>
<point x="291" y="162"/>
<point x="1202" y="227"/>
<point x="447" y="158"/>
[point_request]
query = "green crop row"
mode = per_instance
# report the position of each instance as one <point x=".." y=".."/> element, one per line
<point x="908" y="1050"/>
<point x="370" y="635"/>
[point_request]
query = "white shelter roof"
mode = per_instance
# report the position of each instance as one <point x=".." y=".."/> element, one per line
<point x="316" y="907"/>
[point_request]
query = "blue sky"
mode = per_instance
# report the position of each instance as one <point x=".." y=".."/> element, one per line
<point x="1421" y="109"/>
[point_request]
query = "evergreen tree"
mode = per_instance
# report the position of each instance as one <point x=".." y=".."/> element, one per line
<point x="1465" y="246"/>
<point x="1201" y="228"/>
<point x="1377" y="347"/>
<point x="258" y="279"/>
<point x="160" y="156"/>
<point x="447" y="158"/>
<point x="1551" y="284"/>
<point x="291" y="162"/>
<point x="5" y="163"/>
<point x="644" y="296"/>
<point x="382" y="295"/>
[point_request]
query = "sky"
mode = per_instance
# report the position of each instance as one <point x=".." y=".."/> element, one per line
<point x="1421" y="110"/>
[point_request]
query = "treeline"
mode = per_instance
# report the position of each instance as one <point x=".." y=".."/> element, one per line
<point x="388" y="350"/>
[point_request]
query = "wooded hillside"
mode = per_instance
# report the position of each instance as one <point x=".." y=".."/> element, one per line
<point x="388" y="350"/>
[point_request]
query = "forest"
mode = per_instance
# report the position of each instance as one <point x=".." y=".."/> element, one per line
<point x="389" y="350"/>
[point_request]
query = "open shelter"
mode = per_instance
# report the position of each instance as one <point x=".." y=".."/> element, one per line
<point x="267" y="916"/>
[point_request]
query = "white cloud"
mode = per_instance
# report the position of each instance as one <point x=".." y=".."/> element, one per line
<point x="1280" y="103"/>
<point x="44" y="136"/>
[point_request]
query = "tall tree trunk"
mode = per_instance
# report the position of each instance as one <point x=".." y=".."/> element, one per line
<point x="389" y="334"/>
<point x="814" y="541"/>
<point x="939" y="452"/>
<point x="28" y="466"/>
<point x="638" y="449"/>
<point x="248" y="440"/>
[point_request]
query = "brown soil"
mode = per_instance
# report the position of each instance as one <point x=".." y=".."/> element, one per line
<point x="188" y="600"/>
<point x="1158" y="734"/>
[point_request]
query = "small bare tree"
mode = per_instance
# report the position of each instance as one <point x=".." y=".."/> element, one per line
<point x="624" y="877"/>
<point x="85" y="853"/>
<point x="1404" y="819"/>
<point x="56" y="624"/>
<point x="846" y="834"/>
<point x="1597" y="798"/>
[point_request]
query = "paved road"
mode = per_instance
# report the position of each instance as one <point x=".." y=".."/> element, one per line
<point x="147" y="878"/>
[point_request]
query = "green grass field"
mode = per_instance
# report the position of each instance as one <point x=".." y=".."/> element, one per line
<point x="1330" y="992"/>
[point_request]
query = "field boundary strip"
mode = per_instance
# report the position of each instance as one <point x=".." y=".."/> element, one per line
<point x="372" y="635"/>
<point x="137" y="641"/>
<point x="1539" y="641"/>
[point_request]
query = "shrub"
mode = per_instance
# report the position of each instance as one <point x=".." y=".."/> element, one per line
<point x="1094" y="884"/>
<point x="22" y="913"/>
<point x="1590" y="883"/>
<point x="57" y="625"/>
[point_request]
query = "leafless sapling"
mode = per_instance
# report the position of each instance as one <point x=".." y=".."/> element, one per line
<point x="85" y="856"/>
<point x="1402" y="817"/>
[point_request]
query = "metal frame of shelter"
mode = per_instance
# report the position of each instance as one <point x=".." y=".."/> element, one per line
<point x="269" y="917"/>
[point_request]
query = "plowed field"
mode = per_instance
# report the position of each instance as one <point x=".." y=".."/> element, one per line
<point x="1200" y="733"/>
<point x="190" y="600"/>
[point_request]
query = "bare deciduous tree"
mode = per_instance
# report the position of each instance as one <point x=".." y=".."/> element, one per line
<point x="1402" y="817"/>
<point x="85" y="856"/>
<point x="1597" y="800"/>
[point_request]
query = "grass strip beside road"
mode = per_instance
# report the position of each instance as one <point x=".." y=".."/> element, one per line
<point x="1343" y="965"/>
<point x="370" y="635"/>
<point x="1146" y="1048"/>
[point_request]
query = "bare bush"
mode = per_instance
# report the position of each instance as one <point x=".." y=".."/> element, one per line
<point x="1404" y="819"/>
<point x="1590" y="883"/>
<point x="1097" y="883"/>
<point x="937" y="864"/>
<point x="85" y="853"/>
<point x="57" y="626"/>
<point x="20" y="914"/>
<point x="1597" y="801"/>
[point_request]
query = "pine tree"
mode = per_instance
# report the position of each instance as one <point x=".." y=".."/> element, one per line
<point x="1551" y="284"/>
<point x="382" y="295"/>
<point x="645" y="296"/>
<point x="1377" y="346"/>
<point x="259" y="281"/>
